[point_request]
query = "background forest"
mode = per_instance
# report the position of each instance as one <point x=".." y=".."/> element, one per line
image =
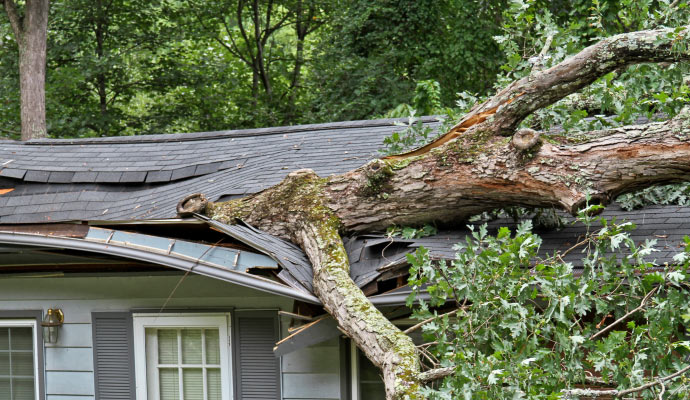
<point x="125" y="67"/>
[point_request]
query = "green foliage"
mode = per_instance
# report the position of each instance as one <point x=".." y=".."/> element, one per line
<point x="414" y="134"/>
<point x="374" y="55"/>
<point x="525" y="325"/>
<point x="626" y="94"/>
<point x="408" y="232"/>
<point x="9" y="82"/>
<point x="665" y="194"/>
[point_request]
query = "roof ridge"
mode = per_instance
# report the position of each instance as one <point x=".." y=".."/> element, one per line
<point x="236" y="133"/>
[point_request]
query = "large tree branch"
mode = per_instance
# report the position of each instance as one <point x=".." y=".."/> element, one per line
<point x="501" y="114"/>
<point x="544" y="88"/>
<point x="477" y="172"/>
<point x="304" y="218"/>
<point x="480" y="172"/>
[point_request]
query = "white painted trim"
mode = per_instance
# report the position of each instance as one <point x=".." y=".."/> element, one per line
<point x="15" y="323"/>
<point x="181" y="320"/>
<point x="354" y="370"/>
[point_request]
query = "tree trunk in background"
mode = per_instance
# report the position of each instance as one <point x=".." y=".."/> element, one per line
<point x="30" y="32"/>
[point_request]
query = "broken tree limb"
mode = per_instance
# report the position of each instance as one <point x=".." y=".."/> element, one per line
<point x="642" y="305"/>
<point x="456" y="178"/>
<point x="461" y="179"/>
<point x="478" y="173"/>
<point x="437" y="373"/>
<point x="546" y="87"/>
<point x="295" y="209"/>
<point x="570" y="393"/>
<point x="504" y="111"/>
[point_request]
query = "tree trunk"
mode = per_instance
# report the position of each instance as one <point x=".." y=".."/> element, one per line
<point x="471" y="169"/>
<point x="101" y="80"/>
<point x="30" y="33"/>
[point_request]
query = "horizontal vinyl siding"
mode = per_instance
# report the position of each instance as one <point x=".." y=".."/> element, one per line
<point x="69" y="363"/>
<point x="76" y="359"/>
<point x="69" y="383"/>
<point x="312" y="372"/>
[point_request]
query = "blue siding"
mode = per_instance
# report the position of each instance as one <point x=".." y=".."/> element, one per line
<point x="309" y="373"/>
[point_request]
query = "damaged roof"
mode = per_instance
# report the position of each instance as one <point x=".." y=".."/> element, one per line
<point x="139" y="178"/>
<point x="143" y="177"/>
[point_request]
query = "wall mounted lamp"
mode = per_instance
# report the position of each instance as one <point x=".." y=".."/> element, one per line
<point x="51" y="324"/>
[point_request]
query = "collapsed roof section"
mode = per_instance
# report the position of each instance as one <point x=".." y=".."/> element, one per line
<point x="127" y="188"/>
<point x="143" y="177"/>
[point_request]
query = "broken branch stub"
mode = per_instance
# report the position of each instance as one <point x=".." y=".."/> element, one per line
<point x="193" y="204"/>
<point x="524" y="139"/>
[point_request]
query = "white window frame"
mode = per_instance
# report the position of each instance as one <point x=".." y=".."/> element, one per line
<point x="182" y="320"/>
<point x="22" y="323"/>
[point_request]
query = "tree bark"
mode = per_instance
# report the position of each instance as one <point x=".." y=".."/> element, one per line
<point x="297" y="211"/>
<point x="100" y="30"/>
<point x="30" y="32"/>
<point x="475" y="171"/>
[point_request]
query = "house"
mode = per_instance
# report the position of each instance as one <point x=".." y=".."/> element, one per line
<point x="147" y="305"/>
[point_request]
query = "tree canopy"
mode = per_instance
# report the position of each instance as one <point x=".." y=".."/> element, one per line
<point x="520" y="326"/>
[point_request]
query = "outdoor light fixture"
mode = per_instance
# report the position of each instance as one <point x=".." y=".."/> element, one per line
<point x="51" y="323"/>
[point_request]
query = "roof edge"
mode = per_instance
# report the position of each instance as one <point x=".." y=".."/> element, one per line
<point x="237" y="133"/>
<point x="235" y="277"/>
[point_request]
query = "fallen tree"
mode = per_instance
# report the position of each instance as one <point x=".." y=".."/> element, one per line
<point x="483" y="163"/>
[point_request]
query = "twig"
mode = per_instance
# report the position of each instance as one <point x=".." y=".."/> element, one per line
<point x="429" y="357"/>
<point x="445" y="277"/>
<point x="419" y="325"/>
<point x="621" y="393"/>
<point x="436" y="373"/>
<point x="623" y="318"/>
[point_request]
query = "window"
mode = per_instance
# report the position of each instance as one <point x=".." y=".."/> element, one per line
<point x="367" y="383"/>
<point x="18" y="360"/>
<point x="182" y="356"/>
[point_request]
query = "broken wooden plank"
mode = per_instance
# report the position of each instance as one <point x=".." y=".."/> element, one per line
<point x="295" y="316"/>
<point x="313" y="333"/>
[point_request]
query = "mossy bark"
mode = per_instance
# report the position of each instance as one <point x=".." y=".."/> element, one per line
<point x="296" y="209"/>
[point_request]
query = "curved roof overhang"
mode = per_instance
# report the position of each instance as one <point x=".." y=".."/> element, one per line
<point x="170" y="260"/>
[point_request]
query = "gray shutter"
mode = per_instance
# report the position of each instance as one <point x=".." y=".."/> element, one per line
<point x="257" y="370"/>
<point x="113" y="355"/>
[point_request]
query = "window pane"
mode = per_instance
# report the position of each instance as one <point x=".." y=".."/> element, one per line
<point x="213" y="382"/>
<point x="16" y="363"/>
<point x="169" y="384"/>
<point x="22" y="363"/>
<point x="4" y="364"/>
<point x="212" y="346"/>
<point x="191" y="346"/>
<point x="372" y="391"/>
<point x="167" y="346"/>
<point x="4" y="388"/>
<point x="22" y="389"/>
<point x="4" y="338"/>
<point x="370" y="383"/>
<point x="193" y="382"/>
<point x="21" y="338"/>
